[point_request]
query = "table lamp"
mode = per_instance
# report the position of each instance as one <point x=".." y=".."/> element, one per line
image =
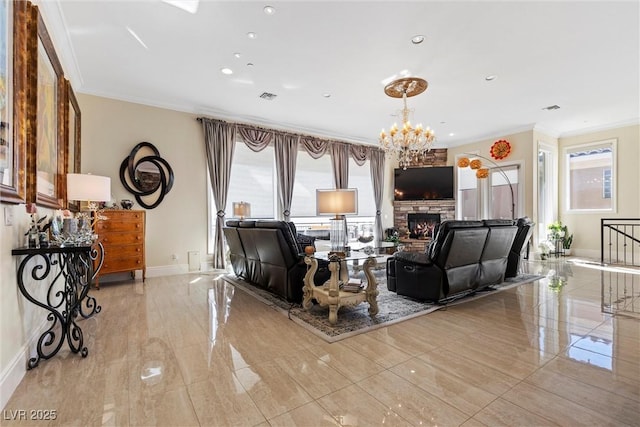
<point x="88" y="188"/>
<point x="338" y="202"/>
<point x="241" y="209"/>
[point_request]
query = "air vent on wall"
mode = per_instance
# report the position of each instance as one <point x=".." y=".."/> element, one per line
<point x="268" y="96"/>
<point x="552" y="107"/>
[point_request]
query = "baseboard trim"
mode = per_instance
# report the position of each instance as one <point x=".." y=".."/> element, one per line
<point x="17" y="368"/>
<point x="11" y="377"/>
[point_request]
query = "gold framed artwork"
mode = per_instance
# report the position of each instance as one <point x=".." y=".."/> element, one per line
<point x="13" y="100"/>
<point x="48" y="154"/>
<point x="72" y="128"/>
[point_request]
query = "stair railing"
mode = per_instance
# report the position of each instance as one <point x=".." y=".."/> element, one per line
<point x="620" y="241"/>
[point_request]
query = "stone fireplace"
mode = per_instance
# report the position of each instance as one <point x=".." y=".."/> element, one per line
<point x="407" y="215"/>
<point x="412" y="216"/>
<point x="422" y="225"/>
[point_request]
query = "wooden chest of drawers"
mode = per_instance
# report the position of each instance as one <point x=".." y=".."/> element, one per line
<point x="122" y="235"/>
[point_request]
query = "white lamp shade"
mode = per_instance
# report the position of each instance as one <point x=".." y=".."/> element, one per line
<point x="90" y="188"/>
<point x="337" y="202"/>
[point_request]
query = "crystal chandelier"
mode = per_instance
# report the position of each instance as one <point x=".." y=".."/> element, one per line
<point x="408" y="143"/>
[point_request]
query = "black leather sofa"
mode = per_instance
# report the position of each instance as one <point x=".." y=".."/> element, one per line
<point x="267" y="254"/>
<point x="465" y="256"/>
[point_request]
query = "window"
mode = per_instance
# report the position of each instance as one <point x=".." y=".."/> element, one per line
<point x="606" y="183"/>
<point x="503" y="199"/>
<point x="467" y="194"/>
<point x="362" y="224"/>
<point x="590" y="177"/>
<point x="488" y="198"/>
<point x="252" y="181"/>
<point x="311" y="174"/>
<point x="360" y="178"/>
<point x="547" y="178"/>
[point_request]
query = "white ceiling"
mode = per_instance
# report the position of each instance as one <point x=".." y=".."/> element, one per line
<point x="583" y="56"/>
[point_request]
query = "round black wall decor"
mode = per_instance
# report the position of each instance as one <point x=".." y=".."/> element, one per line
<point x="146" y="175"/>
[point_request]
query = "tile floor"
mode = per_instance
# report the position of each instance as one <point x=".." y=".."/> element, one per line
<point x="193" y="350"/>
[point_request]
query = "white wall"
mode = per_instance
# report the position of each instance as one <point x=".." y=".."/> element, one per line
<point x="110" y="130"/>
<point x="586" y="226"/>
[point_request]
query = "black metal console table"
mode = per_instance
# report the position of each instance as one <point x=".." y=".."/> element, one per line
<point x="66" y="296"/>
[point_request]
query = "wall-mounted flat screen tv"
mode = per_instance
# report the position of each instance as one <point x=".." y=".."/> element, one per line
<point x="423" y="183"/>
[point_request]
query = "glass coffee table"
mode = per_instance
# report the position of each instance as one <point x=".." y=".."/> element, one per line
<point x="330" y="293"/>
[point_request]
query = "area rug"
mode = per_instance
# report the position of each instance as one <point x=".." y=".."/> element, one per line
<point x="393" y="308"/>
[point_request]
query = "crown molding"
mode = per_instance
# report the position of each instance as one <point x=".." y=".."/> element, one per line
<point x="225" y="115"/>
<point x="53" y="17"/>
<point x="492" y="135"/>
<point x="608" y="126"/>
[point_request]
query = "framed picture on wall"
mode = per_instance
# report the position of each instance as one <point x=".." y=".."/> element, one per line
<point x="72" y="131"/>
<point x="51" y="147"/>
<point x="13" y="101"/>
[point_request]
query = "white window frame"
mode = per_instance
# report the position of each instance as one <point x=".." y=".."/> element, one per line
<point x="614" y="176"/>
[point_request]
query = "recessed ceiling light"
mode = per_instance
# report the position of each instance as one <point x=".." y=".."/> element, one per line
<point x="252" y="35"/>
<point x="552" y="107"/>
<point x="269" y="10"/>
<point x="490" y="78"/>
<point x="226" y="70"/>
<point x="326" y="95"/>
<point x="442" y="123"/>
<point x="249" y="64"/>
<point x="417" y="39"/>
<point x="237" y="54"/>
<point x="452" y="134"/>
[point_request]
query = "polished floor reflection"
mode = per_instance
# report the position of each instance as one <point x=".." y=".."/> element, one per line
<point x="194" y="350"/>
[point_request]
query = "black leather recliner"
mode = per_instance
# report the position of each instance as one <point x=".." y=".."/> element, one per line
<point x="519" y="247"/>
<point x="267" y="254"/>
<point x="465" y="256"/>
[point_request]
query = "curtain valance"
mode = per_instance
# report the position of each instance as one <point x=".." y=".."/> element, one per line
<point x="258" y="138"/>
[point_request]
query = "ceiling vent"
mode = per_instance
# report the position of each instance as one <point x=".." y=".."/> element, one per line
<point x="552" y="107"/>
<point x="268" y="96"/>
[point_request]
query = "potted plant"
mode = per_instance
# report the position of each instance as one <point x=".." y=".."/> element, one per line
<point x="559" y="231"/>
<point x="393" y="238"/>
<point x="566" y="242"/>
<point x="556" y="231"/>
